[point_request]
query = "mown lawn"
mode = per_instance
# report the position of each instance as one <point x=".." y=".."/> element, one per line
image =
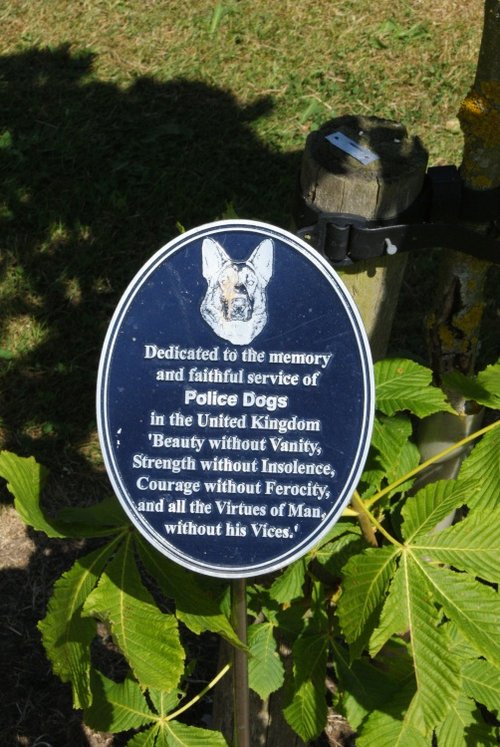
<point x="122" y="120"/>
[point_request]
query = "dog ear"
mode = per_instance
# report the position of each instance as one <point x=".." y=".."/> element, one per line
<point x="213" y="257"/>
<point x="262" y="260"/>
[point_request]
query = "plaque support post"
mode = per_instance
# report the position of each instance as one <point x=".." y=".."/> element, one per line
<point x="241" y="698"/>
<point x="333" y="181"/>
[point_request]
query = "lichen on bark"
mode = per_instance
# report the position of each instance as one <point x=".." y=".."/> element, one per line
<point x="454" y="326"/>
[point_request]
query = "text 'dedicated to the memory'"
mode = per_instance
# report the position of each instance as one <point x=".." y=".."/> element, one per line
<point x="235" y="399"/>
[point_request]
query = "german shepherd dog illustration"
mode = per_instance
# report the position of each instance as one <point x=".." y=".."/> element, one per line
<point x="235" y="304"/>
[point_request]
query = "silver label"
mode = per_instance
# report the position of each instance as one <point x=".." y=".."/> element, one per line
<point x="359" y="152"/>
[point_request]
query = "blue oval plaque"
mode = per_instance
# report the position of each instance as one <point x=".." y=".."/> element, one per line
<point x="235" y="399"/>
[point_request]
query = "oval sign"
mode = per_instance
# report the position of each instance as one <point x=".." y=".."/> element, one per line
<point x="235" y="399"/>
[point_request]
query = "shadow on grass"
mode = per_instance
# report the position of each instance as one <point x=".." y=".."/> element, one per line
<point x="95" y="178"/>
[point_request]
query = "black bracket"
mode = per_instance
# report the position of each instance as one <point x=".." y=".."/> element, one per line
<point x="441" y="216"/>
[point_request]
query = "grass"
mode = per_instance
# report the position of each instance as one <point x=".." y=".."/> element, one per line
<point x="120" y="119"/>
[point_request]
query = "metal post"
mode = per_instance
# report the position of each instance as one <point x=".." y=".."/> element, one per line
<point x="240" y="666"/>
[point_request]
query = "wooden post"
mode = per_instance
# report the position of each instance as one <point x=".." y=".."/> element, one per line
<point x="336" y="182"/>
<point x="241" y="693"/>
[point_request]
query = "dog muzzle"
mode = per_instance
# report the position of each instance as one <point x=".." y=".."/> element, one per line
<point x="239" y="308"/>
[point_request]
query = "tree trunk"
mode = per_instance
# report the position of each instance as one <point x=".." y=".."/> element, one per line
<point x="454" y="326"/>
<point x="268" y="727"/>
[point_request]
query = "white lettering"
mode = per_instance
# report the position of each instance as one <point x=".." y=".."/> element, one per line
<point x="192" y="443"/>
<point x="212" y="398"/>
<point x="181" y="464"/>
<point x="302" y="446"/>
<point x="176" y="353"/>
<point x="297" y="468"/>
<point x="191" y="527"/>
<point x="271" y="532"/>
<point x="273" y="379"/>
<point x="304" y="490"/>
<point x="283" y="425"/>
<point x="303" y="359"/>
<point x="240" y="509"/>
<point x="225" y="464"/>
<point x="270" y="402"/>
<point x="186" y="487"/>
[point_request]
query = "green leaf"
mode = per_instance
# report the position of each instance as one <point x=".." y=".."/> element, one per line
<point x="175" y="734"/>
<point x="6" y="140"/>
<point x="483" y="388"/>
<point x="472" y="606"/>
<point x="470" y="388"/>
<point x="196" y="607"/>
<point x="459" y="644"/>
<point x="165" y="702"/>
<point x="148" y="638"/>
<point x="371" y="480"/>
<point x="335" y="555"/>
<point x="229" y="211"/>
<point x="342" y="527"/>
<point x="471" y="545"/>
<point x="423" y="512"/>
<point x="489" y="378"/>
<point x="482" y="682"/>
<point x="307" y="712"/>
<point x="265" y="670"/>
<point x="65" y="633"/>
<point x="436" y="668"/>
<point x="409" y="458"/>
<point x="389" y="437"/>
<point x="393" y="618"/>
<point x="463" y="726"/>
<point x="405" y="385"/>
<point x="390" y="724"/>
<point x="288" y="585"/>
<point x="410" y="608"/>
<point x="117" y="706"/>
<point x="290" y="619"/>
<point x="481" y="471"/>
<point x="310" y="653"/>
<point x="144" y="738"/>
<point x="366" y="577"/>
<point x="217" y="14"/>
<point x="100" y="520"/>
<point x="396" y="454"/>
<point x="366" y="685"/>
<point x="25" y="479"/>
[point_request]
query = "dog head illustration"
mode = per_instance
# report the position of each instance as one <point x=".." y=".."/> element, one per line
<point x="235" y="304"/>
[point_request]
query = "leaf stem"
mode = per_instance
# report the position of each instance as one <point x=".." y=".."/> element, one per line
<point x="458" y="445"/>
<point x="200" y="695"/>
<point x="364" y="519"/>
<point x="366" y="514"/>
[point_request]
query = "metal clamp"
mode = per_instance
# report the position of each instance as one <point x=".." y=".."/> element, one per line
<point x="441" y="216"/>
